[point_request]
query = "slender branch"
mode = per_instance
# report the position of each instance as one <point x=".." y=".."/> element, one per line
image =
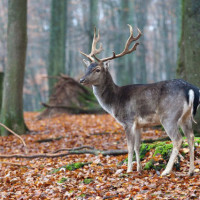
<point x="156" y="140"/>
<point x="48" y="155"/>
<point x="114" y="152"/>
<point x="13" y="163"/>
<point x="70" y="152"/>
<point x="49" y="139"/>
<point x="75" y="148"/>
<point x="15" y="134"/>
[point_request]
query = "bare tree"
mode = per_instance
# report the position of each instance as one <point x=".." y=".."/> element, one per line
<point x="57" y="40"/>
<point x="12" y="105"/>
<point x="93" y="19"/>
<point x="189" y="59"/>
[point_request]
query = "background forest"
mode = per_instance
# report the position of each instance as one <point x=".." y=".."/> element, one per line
<point x="40" y="44"/>
<point x="154" y="60"/>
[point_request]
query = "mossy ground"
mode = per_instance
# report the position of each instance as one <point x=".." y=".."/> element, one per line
<point x="71" y="167"/>
<point x="161" y="152"/>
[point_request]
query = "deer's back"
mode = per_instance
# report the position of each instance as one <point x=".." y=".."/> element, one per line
<point x="147" y="102"/>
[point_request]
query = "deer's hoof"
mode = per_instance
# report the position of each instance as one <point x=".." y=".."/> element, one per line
<point x="191" y="173"/>
<point x="139" y="169"/>
<point x="164" y="173"/>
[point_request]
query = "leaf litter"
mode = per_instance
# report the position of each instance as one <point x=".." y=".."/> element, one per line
<point x="88" y="176"/>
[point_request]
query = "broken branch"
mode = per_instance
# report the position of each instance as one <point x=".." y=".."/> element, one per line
<point x="15" y="134"/>
<point x="75" y="148"/>
<point x="70" y="152"/>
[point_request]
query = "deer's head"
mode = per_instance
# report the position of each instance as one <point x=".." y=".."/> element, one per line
<point x="95" y="73"/>
<point x="96" y="68"/>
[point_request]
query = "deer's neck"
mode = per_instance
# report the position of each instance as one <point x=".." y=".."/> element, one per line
<point x="106" y="93"/>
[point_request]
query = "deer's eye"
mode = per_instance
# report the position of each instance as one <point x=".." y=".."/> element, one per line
<point x="98" y="70"/>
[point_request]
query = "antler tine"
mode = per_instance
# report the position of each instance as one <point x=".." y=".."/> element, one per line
<point x="126" y="48"/>
<point x="94" y="50"/>
<point x="131" y="33"/>
<point x="87" y="56"/>
<point x="130" y="40"/>
<point x="94" y="38"/>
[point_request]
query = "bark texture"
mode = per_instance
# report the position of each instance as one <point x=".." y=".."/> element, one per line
<point x="57" y="40"/>
<point x="12" y="103"/>
<point x="189" y="58"/>
<point x="1" y="88"/>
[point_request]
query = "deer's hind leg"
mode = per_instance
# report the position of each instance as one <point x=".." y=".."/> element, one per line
<point x="137" y="133"/>
<point x="186" y="127"/>
<point x="171" y="127"/>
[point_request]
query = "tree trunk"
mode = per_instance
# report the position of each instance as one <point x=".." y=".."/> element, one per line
<point x="141" y="13"/>
<point x="57" y="40"/>
<point x="12" y="104"/>
<point x="123" y="73"/>
<point x="132" y="59"/>
<point x="93" y="20"/>
<point x="1" y="88"/>
<point x="189" y="58"/>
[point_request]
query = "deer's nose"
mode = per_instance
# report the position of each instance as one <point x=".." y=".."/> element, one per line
<point x="82" y="80"/>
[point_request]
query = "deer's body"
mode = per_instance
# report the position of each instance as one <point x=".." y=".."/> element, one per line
<point x="170" y="103"/>
<point x="144" y="104"/>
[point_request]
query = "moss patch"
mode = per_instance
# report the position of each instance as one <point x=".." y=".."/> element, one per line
<point x="161" y="154"/>
<point x="163" y="149"/>
<point x="62" y="180"/>
<point x="71" y="167"/>
<point x="149" y="165"/>
<point x="197" y="140"/>
<point x="87" y="180"/>
<point x="144" y="149"/>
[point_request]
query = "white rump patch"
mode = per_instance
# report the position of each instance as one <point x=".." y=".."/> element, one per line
<point x="191" y="101"/>
<point x="188" y="107"/>
<point x="191" y="97"/>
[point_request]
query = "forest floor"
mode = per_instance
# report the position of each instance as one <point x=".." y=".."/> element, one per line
<point x="87" y="176"/>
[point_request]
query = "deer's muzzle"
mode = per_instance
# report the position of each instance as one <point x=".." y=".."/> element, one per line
<point x="82" y="80"/>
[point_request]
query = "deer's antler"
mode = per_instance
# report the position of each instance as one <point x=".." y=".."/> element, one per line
<point x="95" y="51"/>
<point x="126" y="49"/>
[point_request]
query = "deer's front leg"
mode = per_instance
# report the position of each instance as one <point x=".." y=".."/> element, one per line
<point x="130" y="143"/>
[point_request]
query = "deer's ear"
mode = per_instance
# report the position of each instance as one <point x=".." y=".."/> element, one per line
<point x="107" y="65"/>
<point x="86" y="63"/>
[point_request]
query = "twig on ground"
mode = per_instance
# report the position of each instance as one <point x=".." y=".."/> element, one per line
<point x="49" y="139"/>
<point x="75" y="148"/>
<point x="13" y="163"/>
<point x="15" y="134"/>
<point x="155" y="140"/>
<point x="71" y="152"/>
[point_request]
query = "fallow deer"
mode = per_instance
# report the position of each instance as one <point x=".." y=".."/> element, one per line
<point x="172" y="103"/>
